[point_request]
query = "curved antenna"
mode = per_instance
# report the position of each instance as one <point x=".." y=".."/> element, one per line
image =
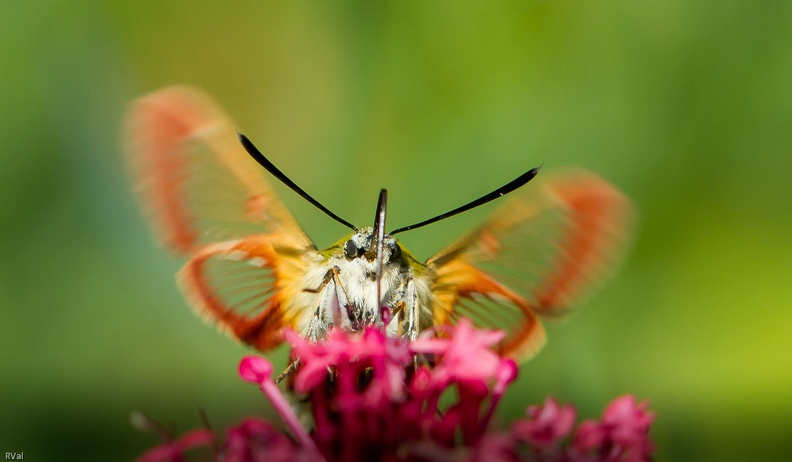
<point x="379" y="235"/>
<point x="502" y="191"/>
<point x="264" y="162"/>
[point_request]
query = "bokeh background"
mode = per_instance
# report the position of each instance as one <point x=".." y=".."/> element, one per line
<point x="686" y="106"/>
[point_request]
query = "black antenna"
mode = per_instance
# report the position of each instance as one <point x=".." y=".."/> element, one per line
<point x="379" y="235"/>
<point x="502" y="191"/>
<point x="264" y="162"/>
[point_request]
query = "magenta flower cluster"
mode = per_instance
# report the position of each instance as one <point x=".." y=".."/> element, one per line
<point x="374" y="398"/>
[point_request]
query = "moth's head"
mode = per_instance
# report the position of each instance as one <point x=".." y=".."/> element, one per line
<point x="363" y="244"/>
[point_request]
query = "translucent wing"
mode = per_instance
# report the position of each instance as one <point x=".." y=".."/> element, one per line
<point x="207" y="198"/>
<point x="195" y="180"/>
<point x="250" y="288"/>
<point x="538" y="254"/>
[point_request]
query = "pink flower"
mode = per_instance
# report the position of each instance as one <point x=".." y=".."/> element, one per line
<point x="621" y="435"/>
<point x="372" y="397"/>
<point x="546" y="425"/>
<point x="173" y="450"/>
<point x="256" y="440"/>
<point x="259" y="371"/>
<point x="589" y="436"/>
<point x="368" y="400"/>
<point x="627" y="422"/>
<point x="466" y="355"/>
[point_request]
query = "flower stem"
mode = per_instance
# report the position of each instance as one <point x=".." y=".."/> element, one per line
<point x="258" y="370"/>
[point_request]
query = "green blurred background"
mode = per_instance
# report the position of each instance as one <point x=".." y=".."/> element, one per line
<point x="686" y="106"/>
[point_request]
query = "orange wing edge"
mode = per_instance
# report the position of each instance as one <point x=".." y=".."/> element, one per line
<point x="593" y="242"/>
<point x="523" y="341"/>
<point x="262" y="330"/>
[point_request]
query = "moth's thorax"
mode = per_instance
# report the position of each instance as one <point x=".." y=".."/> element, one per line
<point x="357" y="262"/>
<point x="347" y="275"/>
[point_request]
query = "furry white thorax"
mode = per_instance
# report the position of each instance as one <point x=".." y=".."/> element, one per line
<point x="346" y="288"/>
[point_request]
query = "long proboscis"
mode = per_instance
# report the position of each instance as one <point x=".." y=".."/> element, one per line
<point x="379" y="235"/>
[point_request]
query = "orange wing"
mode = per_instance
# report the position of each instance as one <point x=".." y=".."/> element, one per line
<point x="538" y="254"/>
<point x="199" y="187"/>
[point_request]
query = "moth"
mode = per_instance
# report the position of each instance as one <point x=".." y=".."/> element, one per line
<point x="253" y="272"/>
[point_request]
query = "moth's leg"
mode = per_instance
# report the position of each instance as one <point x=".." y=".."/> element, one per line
<point x="316" y="324"/>
<point x="326" y="297"/>
<point x="340" y="307"/>
<point x="411" y="321"/>
<point x="289" y="369"/>
<point x="397" y="313"/>
<point x="332" y="306"/>
<point x="409" y="315"/>
<point x="326" y="302"/>
<point x="326" y="279"/>
<point x="341" y="293"/>
<point x="395" y="307"/>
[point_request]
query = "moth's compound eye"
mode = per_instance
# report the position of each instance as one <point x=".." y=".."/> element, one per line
<point x="395" y="254"/>
<point x="350" y="250"/>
